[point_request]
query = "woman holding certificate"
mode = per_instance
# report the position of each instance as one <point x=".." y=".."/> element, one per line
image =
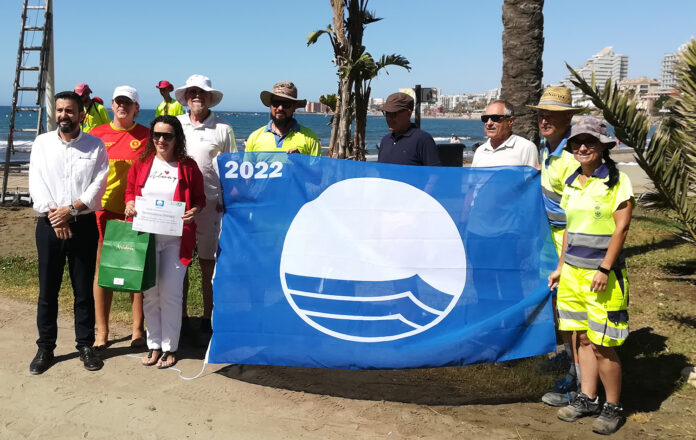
<point x="164" y="172"/>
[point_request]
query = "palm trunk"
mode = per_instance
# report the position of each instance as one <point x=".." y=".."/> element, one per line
<point x="523" y="47"/>
<point x="362" y="98"/>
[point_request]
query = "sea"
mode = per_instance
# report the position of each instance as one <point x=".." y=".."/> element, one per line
<point x="469" y="132"/>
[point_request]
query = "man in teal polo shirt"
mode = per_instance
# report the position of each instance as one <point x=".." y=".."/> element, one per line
<point x="283" y="132"/>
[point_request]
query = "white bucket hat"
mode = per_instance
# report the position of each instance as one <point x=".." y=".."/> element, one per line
<point x="203" y="83"/>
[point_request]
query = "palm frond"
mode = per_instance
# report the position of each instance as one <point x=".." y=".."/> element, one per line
<point x="313" y="37"/>
<point x="669" y="157"/>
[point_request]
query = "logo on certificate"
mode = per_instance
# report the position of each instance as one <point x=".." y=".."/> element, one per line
<point x="364" y="261"/>
<point x="159" y="202"/>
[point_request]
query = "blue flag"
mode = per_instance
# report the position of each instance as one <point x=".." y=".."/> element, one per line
<point x="343" y="264"/>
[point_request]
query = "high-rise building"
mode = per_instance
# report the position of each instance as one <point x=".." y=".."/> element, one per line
<point x="668" y="77"/>
<point x="603" y="65"/>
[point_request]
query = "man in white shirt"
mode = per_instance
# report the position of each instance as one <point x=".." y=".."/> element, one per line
<point x="206" y="137"/>
<point x="502" y="147"/>
<point x="67" y="177"/>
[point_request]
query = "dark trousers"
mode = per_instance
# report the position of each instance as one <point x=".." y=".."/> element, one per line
<point x="81" y="254"/>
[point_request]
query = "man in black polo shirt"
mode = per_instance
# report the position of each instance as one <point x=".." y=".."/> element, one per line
<point x="406" y="144"/>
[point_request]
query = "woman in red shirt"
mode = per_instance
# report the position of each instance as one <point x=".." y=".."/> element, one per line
<point x="164" y="171"/>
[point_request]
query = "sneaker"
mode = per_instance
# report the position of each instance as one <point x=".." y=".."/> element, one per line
<point x="580" y="407"/>
<point x="609" y="420"/>
<point x="562" y="393"/>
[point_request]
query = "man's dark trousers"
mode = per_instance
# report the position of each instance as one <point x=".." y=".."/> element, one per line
<point x="81" y="254"/>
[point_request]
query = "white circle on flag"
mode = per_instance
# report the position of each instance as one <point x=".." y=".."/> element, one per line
<point x="372" y="260"/>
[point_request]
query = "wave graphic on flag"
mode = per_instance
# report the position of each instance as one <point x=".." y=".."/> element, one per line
<point x="400" y="305"/>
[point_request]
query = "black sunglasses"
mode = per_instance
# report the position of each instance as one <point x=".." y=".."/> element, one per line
<point x="285" y="104"/>
<point x="494" y="118"/>
<point x="158" y="134"/>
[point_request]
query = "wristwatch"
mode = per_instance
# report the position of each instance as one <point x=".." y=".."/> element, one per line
<point x="604" y="270"/>
<point x="73" y="211"/>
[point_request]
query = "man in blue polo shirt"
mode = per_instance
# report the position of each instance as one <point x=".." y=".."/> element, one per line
<point x="406" y="144"/>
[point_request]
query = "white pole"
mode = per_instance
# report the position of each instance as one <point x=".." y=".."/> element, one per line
<point x="50" y="76"/>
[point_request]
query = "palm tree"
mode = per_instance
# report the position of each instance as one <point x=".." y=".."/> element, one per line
<point x="669" y="157"/>
<point x="368" y="70"/>
<point x="356" y="70"/>
<point x="340" y="130"/>
<point x="523" y="47"/>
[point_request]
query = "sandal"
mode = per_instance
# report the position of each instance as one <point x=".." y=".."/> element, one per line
<point x="167" y="356"/>
<point x="153" y="355"/>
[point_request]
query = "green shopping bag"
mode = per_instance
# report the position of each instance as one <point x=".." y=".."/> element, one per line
<point x="127" y="258"/>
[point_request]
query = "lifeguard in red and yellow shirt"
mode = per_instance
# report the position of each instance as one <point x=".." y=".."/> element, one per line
<point x="124" y="140"/>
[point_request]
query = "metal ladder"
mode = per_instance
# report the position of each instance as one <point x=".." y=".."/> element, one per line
<point x="44" y="69"/>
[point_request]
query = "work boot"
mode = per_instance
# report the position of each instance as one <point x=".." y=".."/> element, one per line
<point x="580" y="407"/>
<point x="609" y="420"/>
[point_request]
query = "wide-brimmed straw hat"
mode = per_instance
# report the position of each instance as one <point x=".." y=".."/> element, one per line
<point x="556" y="99"/>
<point x="282" y="90"/>
<point x="203" y="83"/>
<point x="594" y="127"/>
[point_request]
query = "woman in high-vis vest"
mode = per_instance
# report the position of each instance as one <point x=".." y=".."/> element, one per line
<point x="591" y="275"/>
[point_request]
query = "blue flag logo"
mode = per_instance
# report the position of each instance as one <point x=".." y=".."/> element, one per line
<point x="356" y="254"/>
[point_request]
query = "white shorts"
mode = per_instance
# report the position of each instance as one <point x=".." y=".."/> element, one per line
<point x="208" y="230"/>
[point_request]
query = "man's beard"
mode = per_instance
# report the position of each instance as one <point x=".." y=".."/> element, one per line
<point x="281" y="123"/>
<point x="66" y="128"/>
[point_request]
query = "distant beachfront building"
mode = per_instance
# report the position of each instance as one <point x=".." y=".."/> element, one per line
<point x="316" y="107"/>
<point x="604" y="65"/>
<point x="645" y="90"/>
<point x="668" y="77"/>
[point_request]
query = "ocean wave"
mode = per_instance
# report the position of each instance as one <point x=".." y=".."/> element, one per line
<point x="410" y="301"/>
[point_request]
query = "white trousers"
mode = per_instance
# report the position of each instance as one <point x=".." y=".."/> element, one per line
<point x="162" y="303"/>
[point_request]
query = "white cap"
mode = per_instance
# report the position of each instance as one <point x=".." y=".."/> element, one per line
<point x="127" y="91"/>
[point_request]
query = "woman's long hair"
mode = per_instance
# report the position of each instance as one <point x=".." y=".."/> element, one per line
<point x="613" y="170"/>
<point x="179" y="138"/>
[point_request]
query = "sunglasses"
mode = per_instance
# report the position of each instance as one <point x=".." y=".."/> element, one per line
<point x="494" y="118"/>
<point x="589" y="144"/>
<point x="392" y="114"/>
<point x="123" y="101"/>
<point x="285" y="104"/>
<point x="158" y="134"/>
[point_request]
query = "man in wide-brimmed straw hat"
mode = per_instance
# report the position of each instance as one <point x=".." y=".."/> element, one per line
<point x="206" y="137"/>
<point x="283" y="133"/>
<point x="555" y="111"/>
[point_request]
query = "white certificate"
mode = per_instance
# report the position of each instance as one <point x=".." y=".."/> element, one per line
<point x="159" y="216"/>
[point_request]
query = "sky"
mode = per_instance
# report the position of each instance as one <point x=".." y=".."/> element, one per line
<point x="247" y="46"/>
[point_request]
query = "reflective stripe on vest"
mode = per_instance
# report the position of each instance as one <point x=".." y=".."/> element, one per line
<point x="551" y="194"/>
<point x="588" y="250"/>
<point x="556" y="217"/>
<point x="573" y="316"/>
<point x="614" y="333"/>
